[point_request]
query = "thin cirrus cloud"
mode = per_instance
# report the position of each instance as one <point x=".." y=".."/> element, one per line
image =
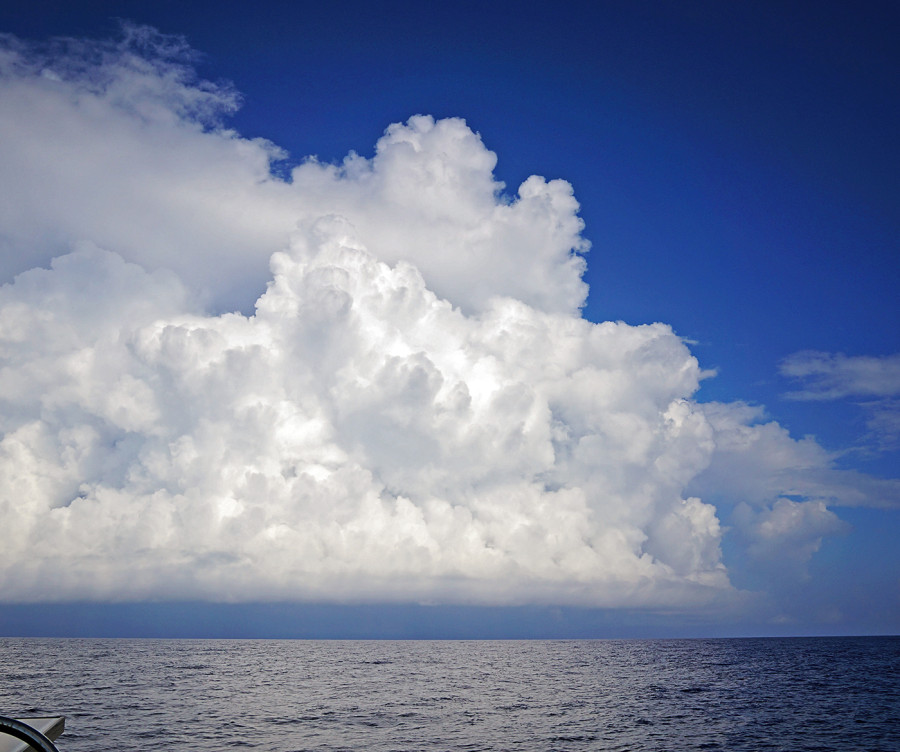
<point x="831" y="376"/>
<point x="873" y="381"/>
<point x="368" y="382"/>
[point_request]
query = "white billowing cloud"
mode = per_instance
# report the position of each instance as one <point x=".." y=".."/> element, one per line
<point x="787" y="534"/>
<point x="117" y="143"/>
<point x="357" y="437"/>
<point x="429" y="196"/>
<point x="413" y="410"/>
<point x="779" y="489"/>
<point x="103" y="143"/>
<point x="758" y="462"/>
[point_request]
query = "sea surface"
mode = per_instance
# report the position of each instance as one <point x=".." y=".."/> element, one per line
<point x="283" y="695"/>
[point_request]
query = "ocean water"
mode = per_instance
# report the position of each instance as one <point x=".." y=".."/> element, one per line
<point x="283" y="695"/>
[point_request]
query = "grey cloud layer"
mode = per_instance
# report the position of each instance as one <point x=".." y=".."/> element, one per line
<point x="414" y="409"/>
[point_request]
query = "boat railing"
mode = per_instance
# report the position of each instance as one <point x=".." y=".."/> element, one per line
<point x="25" y="732"/>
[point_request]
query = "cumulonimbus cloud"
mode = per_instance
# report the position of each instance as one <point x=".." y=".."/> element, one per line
<point x="404" y="404"/>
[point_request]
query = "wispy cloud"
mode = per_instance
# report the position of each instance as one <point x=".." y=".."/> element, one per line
<point x="874" y="382"/>
<point x="831" y="376"/>
<point x="883" y="423"/>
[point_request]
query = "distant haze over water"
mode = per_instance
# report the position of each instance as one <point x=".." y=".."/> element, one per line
<point x="728" y="694"/>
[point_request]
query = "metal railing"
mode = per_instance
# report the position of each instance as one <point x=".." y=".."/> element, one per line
<point x="25" y="733"/>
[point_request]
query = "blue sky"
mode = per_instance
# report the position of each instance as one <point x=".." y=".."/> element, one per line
<point x="736" y="170"/>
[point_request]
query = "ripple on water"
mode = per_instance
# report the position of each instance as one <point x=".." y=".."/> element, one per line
<point x="736" y="695"/>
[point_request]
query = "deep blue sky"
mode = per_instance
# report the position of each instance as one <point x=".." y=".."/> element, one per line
<point x="736" y="165"/>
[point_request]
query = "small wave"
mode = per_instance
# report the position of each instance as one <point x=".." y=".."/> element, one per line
<point x="574" y="738"/>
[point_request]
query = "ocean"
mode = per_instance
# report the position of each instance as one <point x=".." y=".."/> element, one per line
<point x="792" y="694"/>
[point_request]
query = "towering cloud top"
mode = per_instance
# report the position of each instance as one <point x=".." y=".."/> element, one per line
<point x="116" y="143"/>
<point x="407" y="404"/>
